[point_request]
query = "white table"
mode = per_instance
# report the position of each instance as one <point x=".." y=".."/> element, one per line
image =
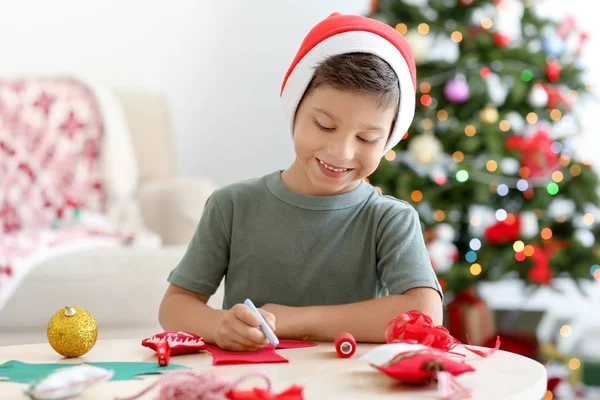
<point x="502" y="376"/>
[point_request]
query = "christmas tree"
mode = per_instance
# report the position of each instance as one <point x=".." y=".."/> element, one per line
<point x="490" y="161"/>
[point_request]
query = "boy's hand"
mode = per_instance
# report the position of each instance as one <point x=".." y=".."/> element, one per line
<point x="239" y="329"/>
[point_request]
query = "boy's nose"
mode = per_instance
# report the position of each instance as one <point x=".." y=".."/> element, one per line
<point x="341" y="150"/>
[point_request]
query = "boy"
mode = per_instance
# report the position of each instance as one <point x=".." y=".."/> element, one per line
<point x="315" y="247"/>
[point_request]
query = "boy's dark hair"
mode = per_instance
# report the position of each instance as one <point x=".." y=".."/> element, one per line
<point x="360" y="72"/>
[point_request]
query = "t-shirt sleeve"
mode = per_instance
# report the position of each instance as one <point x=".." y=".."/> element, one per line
<point x="207" y="256"/>
<point x="403" y="259"/>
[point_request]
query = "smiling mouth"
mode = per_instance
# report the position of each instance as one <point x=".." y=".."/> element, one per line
<point x="333" y="168"/>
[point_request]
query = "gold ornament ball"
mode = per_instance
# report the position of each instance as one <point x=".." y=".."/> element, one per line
<point x="425" y="148"/>
<point x="72" y="331"/>
<point x="489" y="115"/>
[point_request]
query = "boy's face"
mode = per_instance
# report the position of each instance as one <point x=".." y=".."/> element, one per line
<point x="339" y="137"/>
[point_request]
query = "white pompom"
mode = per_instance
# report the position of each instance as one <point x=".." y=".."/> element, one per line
<point x="561" y="208"/>
<point x="510" y="166"/>
<point x="480" y="218"/>
<point x="585" y="237"/>
<point x="442" y="254"/>
<point x="538" y="97"/>
<point x="529" y="224"/>
<point x="516" y="121"/>
<point x="444" y="232"/>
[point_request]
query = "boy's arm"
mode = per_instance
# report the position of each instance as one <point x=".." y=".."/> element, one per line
<point x="184" y="310"/>
<point x="365" y="320"/>
<point x="198" y="275"/>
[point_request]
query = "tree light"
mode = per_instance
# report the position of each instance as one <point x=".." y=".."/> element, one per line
<point x="475" y="244"/>
<point x="471" y="256"/>
<point x="522" y="185"/>
<point x="526" y="75"/>
<point x="462" y="175"/>
<point x="518" y="246"/>
<point x="552" y="188"/>
<point x="475" y="269"/>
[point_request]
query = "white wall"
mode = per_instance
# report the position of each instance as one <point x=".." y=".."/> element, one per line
<point x="219" y="62"/>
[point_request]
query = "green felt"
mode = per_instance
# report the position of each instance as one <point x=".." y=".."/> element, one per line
<point x="20" y="372"/>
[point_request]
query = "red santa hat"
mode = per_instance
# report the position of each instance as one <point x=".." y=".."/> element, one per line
<point x="340" y="34"/>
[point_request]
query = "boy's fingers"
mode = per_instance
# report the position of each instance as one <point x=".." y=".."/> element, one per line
<point x="246" y="315"/>
<point x="244" y="343"/>
<point x="269" y="318"/>
<point x="250" y="336"/>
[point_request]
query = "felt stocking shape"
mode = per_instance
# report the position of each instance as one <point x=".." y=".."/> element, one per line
<point x="266" y="355"/>
<point x="294" y="344"/>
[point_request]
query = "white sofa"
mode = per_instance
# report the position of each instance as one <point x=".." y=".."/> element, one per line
<point x="122" y="288"/>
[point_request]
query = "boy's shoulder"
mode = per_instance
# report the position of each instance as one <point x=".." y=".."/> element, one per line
<point x="390" y="205"/>
<point x="244" y="190"/>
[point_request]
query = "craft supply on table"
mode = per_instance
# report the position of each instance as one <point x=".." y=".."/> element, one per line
<point x="212" y="386"/>
<point x="417" y="327"/>
<point x="266" y="355"/>
<point x="181" y="342"/>
<point x="67" y="382"/>
<point x="21" y="372"/>
<point x="345" y="345"/>
<point x="264" y="327"/>
<point x="169" y="343"/>
<point x="418" y="364"/>
<point x="72" y="331"/>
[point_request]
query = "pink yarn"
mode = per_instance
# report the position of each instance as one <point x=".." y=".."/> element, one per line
<point x="193" y="385"/>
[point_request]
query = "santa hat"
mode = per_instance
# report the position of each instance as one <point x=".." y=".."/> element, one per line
<point x="340" y="34"/>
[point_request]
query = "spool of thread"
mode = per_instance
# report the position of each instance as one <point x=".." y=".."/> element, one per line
<point x="345" y="345"/>
<point x="163" y="353"/>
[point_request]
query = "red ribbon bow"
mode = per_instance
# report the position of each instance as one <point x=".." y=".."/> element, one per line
<point x="414" y="326"/>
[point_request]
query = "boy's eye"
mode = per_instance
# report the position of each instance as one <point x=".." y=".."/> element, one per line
<point x="372" y="141"/>
<point x="322" y="127"/>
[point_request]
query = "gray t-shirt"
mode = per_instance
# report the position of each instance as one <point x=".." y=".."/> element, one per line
<point x="274" y="245"/>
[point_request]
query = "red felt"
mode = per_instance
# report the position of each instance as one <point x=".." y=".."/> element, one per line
<point x="180" y="342"/>
<point x="266" y="355"/>
<point x="412" y="366"/>
<point x="295" y="344"/>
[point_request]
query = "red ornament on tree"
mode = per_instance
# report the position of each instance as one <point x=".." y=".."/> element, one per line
<point x="536" y="152"/>
<point x="504" y="231"/>
<point x="541" y="273"/>
<point x="555" y="97"/>
<point x="553" y="70"/>
<point x="501" y="40"/>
